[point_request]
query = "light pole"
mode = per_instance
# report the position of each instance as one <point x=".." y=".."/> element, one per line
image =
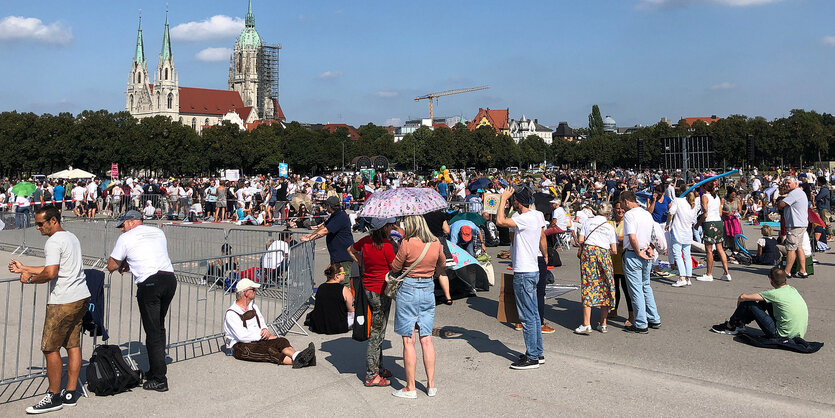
<point x="343" y="154"/>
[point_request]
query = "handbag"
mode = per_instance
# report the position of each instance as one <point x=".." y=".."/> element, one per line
<point x="393" y="282"/>
<point x="583" y="245"/>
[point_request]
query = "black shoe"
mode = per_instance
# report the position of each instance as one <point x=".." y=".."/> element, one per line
<point x="525" y="363"/>
<point x="157" y="385"/>
<point x="654" y="325"/>
<point x="69" y="398"/>
<point x="312" y="361"/>
<point x="50" y="402"/>
<point x="633" y="328"/>
<point x="304" y="357"/>
<point x="725" y="328"/>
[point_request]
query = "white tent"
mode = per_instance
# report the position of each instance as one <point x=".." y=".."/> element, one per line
<point x="72" y="173"/>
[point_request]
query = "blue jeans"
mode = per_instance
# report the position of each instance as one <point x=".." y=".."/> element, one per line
<point x="637" y="279"/>
<point x="21" y="217"/>
<point x="524" y="287"/>
<point x="759" y="311"/>
<point x="681" y="254"/>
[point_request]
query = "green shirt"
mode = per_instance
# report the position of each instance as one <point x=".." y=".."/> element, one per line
<point x="790" y="311"/>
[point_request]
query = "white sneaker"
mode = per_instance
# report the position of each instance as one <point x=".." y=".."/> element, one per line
<point x="705" y="278"/>
<point x="688" y="282"/>
<point x="726" y="277"/>
<point x="680" y="283"/>
<point x="583" y="330"/>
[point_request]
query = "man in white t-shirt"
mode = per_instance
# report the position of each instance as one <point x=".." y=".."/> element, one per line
<point x="77" y="194"/>
<point x="143" y="250"/>
<point x="638" y="228"/>
<point x="67" y="304"/>
<point x="528" y="228"/>
<point x="91" y="195"/>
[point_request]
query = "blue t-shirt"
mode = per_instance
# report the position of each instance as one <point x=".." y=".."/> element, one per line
<point x="339" y="236"/>
<point x="240" y="213"/>
<point x="442" y="189"/>
<point x="659" y="211"/>
<point x="58" y="193"/>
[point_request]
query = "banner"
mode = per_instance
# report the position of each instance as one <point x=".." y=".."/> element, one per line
<point x="491" y="203"/>
<point x="114" y="171"/>
<point x="232" y="175"/>
<point x="283" y="170"/>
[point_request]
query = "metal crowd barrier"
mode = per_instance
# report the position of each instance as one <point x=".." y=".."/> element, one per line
<point x="195" y="317"/>
<point x="190" y="242"/>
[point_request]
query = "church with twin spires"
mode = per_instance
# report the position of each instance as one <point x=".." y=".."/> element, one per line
<point x="251" y="100"/>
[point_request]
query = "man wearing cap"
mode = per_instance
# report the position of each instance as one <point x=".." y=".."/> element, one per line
<point x="461" y="233"/>
<point x="337" y="230"/>
<point x="143" y="250"/>
<point x="249" y="338"/>
<point x="528" y="228"/>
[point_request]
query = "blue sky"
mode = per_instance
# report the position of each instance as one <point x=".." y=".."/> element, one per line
<point x="365" y="61"/>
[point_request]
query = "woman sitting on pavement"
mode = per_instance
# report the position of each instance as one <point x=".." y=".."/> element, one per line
<point x="415" y="310"/>
<point x="333" y="312"/>
<point x="598" y="241"/>
<point x="375" y="253"/>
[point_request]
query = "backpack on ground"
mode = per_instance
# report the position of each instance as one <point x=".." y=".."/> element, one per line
<point x="108" y="373"/>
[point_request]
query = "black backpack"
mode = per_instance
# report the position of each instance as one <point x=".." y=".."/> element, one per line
<point x="108" y="373"/>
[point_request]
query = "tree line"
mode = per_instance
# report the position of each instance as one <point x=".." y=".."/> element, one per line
<point x="93" y="140"/>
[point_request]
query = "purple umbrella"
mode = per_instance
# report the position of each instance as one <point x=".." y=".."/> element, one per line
<point x="402" y="202"/>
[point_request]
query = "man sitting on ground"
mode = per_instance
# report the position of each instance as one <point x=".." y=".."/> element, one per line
<point x="249" y="338"/>
<point x="779" y="312"/>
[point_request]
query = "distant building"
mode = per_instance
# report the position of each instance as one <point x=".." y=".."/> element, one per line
<point x="565" y="132"/>
<point x="495" y="118"/>
<point x="609" y="124"/>
<point x="628" y="129"/>
<point x="332" y="127"/>
<point x="412" y="125"/>
<point x="520" y="129"/>
<point x="706" y="120"/>
<point x="251" y="95"/>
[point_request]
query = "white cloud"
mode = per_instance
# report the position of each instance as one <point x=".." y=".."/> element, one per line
<point x="215" y="27"/>
<point x="214" y="54"/>
<point x="829" y="40"/>
<point x="723" y="86"/>
<point x="387" y="94"/>
<point x="327" y="75"/>
<point x="393" y="122"/>
<point x="730" y="3"/>
<point x="19" y="28"/>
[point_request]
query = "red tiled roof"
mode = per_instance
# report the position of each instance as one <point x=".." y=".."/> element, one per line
<point x="258" y="122"/>
<point x="707" y="120"/>
<point x="439" y="125"/>
<point x="332" y="127"/>
<point x="496" y="117"/>
<point x="279" y="113"/>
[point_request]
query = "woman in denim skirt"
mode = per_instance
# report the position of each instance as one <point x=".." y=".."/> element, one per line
<point x="414" y="313"/>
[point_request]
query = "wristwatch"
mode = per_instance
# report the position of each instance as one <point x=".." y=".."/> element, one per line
<point x="29" y="280"/>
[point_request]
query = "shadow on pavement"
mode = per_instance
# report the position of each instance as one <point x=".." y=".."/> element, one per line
<point x="480" y="341"/>
<point x="348" y="356"/>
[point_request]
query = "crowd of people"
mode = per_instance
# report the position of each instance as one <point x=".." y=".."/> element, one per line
<point x="622" y="222"/>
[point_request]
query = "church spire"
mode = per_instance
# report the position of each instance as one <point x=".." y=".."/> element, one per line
<point x="139" y="55"/>
<point x="166" y="40"/>
<point x="250" y="18"/>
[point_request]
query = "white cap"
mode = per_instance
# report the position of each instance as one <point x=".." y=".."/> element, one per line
<point x="246" y="284"/>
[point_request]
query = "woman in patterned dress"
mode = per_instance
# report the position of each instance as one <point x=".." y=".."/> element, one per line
<point x="599" y="241"/>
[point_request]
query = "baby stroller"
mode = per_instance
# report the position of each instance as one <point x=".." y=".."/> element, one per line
<point x="741" y="254"/>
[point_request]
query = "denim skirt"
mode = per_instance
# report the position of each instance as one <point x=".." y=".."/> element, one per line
<point x="415" y="307"/>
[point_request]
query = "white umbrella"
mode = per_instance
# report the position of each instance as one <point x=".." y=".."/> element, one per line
<point x="72" y="173"/>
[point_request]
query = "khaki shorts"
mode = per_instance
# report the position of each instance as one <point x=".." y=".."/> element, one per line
<point x="62" y="325"/>
<point x="794" y="238"/>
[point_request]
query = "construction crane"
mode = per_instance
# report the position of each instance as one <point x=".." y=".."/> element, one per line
<point x="434" y="96"/>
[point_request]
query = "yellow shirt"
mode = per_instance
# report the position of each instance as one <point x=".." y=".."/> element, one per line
<point x="617" y="259"/>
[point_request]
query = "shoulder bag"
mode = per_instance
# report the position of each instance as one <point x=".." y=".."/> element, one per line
<point x="583" y="245"/>
<point x="393" y="282"/>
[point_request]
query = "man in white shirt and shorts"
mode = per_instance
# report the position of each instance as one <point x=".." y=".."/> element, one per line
<point x="67" y="304"/>
<point x="143" y="250"/>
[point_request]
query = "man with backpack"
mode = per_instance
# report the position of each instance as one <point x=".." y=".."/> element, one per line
<point x="143" y="250"/>
<point x="67" y="304"/>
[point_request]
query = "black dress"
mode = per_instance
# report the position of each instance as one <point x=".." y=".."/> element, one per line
<point x="330" y="315"/>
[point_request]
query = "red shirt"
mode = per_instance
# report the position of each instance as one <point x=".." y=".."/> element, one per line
<point x="376" y="262"/>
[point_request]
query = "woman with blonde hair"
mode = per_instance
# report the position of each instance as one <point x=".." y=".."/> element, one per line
<point x="680" y="220"/>
<point x="598" y="242"/>
<point x="414" y="313"/>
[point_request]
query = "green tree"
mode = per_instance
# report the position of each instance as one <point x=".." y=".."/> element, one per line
<point x="595" y="122"/>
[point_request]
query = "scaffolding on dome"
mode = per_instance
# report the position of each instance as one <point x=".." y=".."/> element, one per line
<point x="267" y="63"/>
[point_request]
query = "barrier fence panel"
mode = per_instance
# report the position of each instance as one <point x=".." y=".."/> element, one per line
<point x="23" y="316"/>
<point x="11" y="237"/>
<point x="298" y="286"/>
<point x="190" y="242"/>
<point x="97" y="237"/>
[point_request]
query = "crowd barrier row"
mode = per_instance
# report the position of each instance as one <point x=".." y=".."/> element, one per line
<point x="205" y="290"/>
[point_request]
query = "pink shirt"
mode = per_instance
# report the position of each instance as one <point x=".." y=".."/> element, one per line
<point x="410" y="251"/>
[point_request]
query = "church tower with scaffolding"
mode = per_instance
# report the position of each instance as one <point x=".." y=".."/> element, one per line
<point x="253" y="70"/>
